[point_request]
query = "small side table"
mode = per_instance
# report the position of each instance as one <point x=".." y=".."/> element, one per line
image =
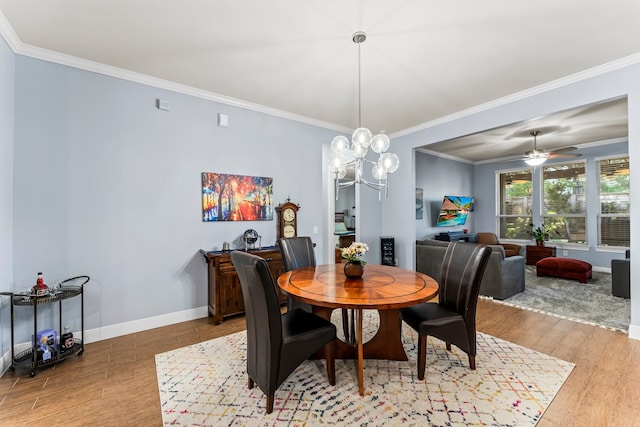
<point x="536" y="253"/>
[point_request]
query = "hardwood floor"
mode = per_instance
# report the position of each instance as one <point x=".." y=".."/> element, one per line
<point x="114" y="383"/>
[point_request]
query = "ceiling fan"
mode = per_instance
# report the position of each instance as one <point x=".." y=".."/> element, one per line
<point x="537" y="157"/>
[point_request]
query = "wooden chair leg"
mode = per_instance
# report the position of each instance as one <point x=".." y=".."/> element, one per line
<point x="422" y="356"/>
<point x="270" y="399"/>
<point x="250" y="383"/>
<point x="472" y="362"/>
<point x="331" y="362"/>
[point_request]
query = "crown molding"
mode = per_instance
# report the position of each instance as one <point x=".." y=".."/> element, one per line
<point x="7" y="33"/>
<point x="444" y="156"/>
<point x="19" y="48"/>
<point x="536" y="90"/>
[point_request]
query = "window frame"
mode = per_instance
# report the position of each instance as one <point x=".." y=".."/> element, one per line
<point x="548" y="218"/>
<point x="600" y="215"/>
<point x="499" y="202"/>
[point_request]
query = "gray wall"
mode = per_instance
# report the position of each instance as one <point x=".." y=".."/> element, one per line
<point x="7" y="62"/>
<point x="440" y="177"/>
<point x="107" y="185"/>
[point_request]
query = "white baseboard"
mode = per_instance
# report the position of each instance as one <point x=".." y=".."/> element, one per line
<point x="634" y="332"/>
<point x="112" y="331"/>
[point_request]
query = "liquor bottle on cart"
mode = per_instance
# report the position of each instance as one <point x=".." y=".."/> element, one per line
<point x="39" y="288"/>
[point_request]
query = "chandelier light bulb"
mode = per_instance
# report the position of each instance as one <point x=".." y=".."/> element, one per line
<point x="362" y="137"/>
<point x="359" y="151"/>
<point x="336" y="162"/>
<point x="340" y="144"/>
<point x="389" y="162"/>
<point x="378" y="172"/>
<point x="380" y="143"/>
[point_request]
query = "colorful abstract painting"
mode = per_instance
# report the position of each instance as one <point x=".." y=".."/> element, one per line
<point x="236" y="197"/>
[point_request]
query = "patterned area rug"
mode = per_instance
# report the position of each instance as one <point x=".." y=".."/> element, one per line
<point x="590" y="302"/>
<point x="206" y="385"/>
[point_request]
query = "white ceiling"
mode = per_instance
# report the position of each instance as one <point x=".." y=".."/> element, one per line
<point x="422" y="60"/>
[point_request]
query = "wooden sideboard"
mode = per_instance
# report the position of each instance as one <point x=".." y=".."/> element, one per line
<point x="224" y="293"/>
<point x="536" y="253"/>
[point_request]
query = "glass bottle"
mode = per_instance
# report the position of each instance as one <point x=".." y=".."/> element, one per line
<point x="39" y="288"/>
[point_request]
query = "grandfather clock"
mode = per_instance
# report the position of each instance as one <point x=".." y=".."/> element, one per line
<point x="287" y="219"/>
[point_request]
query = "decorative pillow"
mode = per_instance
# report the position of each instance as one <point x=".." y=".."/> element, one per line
<point x="340" y="228"/>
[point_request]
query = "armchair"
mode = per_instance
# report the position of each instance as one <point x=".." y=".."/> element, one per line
<point x="510" y="249"/>
<point x="503" y="277"/>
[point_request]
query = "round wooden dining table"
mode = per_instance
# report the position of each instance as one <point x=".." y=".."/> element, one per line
<point x="381" y="287"/>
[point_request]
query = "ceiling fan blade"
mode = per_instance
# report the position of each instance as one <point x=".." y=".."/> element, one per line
<point x="512" y="159"/>
<point x="555" y="155"/>
<point x="563" y="150"/>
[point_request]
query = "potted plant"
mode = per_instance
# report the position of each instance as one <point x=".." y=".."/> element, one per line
<point x="539" y="234"/>
<point x="354" y="266"/>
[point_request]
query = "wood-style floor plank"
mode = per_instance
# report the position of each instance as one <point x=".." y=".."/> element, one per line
<point x="114" y="383"/>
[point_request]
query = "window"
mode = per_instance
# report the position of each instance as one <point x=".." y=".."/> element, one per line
<point x="514" y="215"/>
<point x="613" y="219"/>
<point x="564" y="210"/>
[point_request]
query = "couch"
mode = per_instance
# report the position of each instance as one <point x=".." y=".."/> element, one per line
<point x="621" y="276"/>
<point x="510" y="249"/>
<point x="503" y="277"/>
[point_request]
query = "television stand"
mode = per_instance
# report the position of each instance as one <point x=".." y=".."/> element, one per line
<point x="457" y="236"/>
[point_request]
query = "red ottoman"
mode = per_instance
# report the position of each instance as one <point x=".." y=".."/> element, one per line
<point x="567" y="268"/>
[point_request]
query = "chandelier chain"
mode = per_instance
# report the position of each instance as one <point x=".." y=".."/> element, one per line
<point x="359" y="87"/>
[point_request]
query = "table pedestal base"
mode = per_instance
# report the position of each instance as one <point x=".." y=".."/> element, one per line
<point x="385" y="345"/>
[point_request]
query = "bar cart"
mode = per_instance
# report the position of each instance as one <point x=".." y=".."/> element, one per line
<point x="69" y="288"/>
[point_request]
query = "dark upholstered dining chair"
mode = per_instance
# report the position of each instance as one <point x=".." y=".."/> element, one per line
<point x="277" y="343"/>
<point x="297" y="252"/>
<point x="453" y="318"/>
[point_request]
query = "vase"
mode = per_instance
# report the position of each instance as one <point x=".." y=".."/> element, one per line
<point x="353" y="270"/>
<point x="540" y="243"/>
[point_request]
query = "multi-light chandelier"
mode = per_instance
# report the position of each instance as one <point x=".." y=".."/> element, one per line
<point x="347" y="155"/>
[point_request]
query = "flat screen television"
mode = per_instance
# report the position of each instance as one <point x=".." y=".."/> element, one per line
<point x="454" y="211"/>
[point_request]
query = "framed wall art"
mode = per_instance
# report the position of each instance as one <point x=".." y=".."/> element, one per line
<point x="419" y="203"/>
<point x="236" y="197"/>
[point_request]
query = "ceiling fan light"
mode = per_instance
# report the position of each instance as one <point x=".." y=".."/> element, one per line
<point x="535" y="161"/>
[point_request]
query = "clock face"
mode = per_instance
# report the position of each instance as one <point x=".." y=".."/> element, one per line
<point x="288" y="215"/>
<point x="289" y="231"/>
